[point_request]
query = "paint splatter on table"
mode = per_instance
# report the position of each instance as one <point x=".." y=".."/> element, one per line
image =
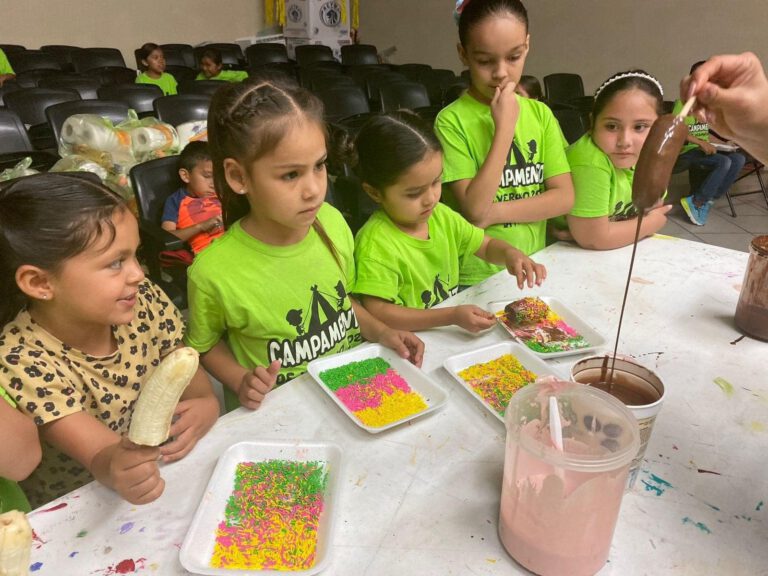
<point x="373" y="391"/>
<point x="496" y="381"/>
<point x="272" y="516"/>
<point x="541" y="329"/>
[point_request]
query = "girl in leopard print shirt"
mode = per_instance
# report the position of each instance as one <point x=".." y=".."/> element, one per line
<point x="82" y="330"/>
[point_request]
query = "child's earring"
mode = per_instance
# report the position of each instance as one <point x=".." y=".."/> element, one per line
<point x="243" y="191"/>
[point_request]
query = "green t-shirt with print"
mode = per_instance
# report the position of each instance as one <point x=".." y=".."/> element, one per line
<point x="226" y="76"/>
<point x="166" y="82"/>
<point x="600" y="188"/>
<point x="466" y="130"/>
<point x="11" y="495"/>
<point x="5" y="66"/>
<point x="696" y="127"/>
<point x="413" y="272"/>
<point x="287" y="303"/>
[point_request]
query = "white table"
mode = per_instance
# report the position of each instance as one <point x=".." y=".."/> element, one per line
<point x="423" y="498"/>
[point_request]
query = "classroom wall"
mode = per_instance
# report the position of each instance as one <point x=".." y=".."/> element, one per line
<point x="127" y="24"/>
<point x="594" y="38"/>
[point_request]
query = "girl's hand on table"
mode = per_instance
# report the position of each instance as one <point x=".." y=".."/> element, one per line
<point x="192" y="420"/>
<point x="406" y="344"/>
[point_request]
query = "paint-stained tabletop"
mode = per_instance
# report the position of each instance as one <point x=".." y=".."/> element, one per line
<point x="423" y="498"/>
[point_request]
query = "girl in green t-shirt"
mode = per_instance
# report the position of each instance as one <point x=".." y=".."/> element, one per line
<point x="602" y="165"/>
<point x="212" y="68"/>
<point x="272" y="293"/>
<point x="409" y="252"/>
<point x="505" y="165"/>
<point x="152" y="62"/>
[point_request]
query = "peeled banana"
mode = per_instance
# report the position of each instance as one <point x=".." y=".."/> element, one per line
<point x="152" y="415"/>
<point x="15" y="544"/>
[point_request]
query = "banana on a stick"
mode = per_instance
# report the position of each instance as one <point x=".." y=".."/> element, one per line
<point x="15" y="544"/>
<point x="152" y="415"/>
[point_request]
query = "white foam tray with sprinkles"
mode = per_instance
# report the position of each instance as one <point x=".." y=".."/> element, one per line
<point x="589" y="334"/>
<point x="431" y="395"/>
<point x="198" y="548"/>
<point x="455" y="364"/>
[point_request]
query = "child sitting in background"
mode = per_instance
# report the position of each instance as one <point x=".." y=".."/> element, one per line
<point x="82" y="332"/>
<point x="409" y="252"/>
<point x="211" y="68"/>
<point x="529" y="87"/>
<point x="711" y="172"/>
<point x="152" y="62"/>
<point x="193" y="212"/>
<point x="19" y="456"/>
<point x="272" y="294"/>
<point x="603" y="161"/>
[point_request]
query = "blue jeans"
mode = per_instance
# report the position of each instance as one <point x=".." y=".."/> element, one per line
<point x="710" y="175"/>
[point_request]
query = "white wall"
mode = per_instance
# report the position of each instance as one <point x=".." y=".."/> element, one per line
<point x="594" y="38"/>
<point x="127" y="24"/>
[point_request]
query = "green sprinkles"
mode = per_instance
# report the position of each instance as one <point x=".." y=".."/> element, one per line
<point x="342" y="376"/>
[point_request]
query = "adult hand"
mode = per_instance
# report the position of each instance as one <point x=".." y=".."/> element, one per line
<point x="732" y="96"/>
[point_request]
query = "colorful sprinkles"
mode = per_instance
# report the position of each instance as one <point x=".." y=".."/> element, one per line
<point x="541" y="330"/>
<point x="272" y="517"/>
<point x="496" y="381"/>
<point x="373" y="391"/>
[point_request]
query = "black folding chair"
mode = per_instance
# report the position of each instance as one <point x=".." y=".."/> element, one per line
<point x="181" y="73"/>
<point x="86" y="86"/>
<point x="139" y="97"/>
<point x="356" y="54"/>
<point x="179" y="55"/>
<point x="181" y="108"/>
<point x="30" y="104"/>
<point x="307" y="54"/>
<point x="57" y="114"/>
<point x="265" y="53"/>
<point x="90" y="58"/>
<point x="201" y="87"/>
<point x="15" y="144"/>
<point x="571" y="123"/>
<point x="27" y="60"/>
<point x="566" y="89"/>
<point x="153" y="182"/>
<point x="62" y="53"/>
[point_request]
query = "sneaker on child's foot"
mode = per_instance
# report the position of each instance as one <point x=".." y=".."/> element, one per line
<point x="704" y="211"/>
<point x="693" y="211"/>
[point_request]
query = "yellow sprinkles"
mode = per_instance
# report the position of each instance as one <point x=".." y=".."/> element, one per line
<point x="496" y="381"/>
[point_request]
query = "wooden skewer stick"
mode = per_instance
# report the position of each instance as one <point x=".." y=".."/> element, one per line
<point x="687" y="107"/>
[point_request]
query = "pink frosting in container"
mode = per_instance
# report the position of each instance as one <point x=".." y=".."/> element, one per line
<point x="559" y="507"/>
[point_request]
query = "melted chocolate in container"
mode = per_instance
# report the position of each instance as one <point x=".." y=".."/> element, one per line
<point x="752" y="309"/>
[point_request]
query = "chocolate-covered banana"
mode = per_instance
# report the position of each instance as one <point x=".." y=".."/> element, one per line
<point x="657" y="158"/>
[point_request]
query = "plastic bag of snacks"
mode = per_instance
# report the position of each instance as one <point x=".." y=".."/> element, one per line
<point x="192" y="132"/>
<point x="21" y="169"/>
<point x="78" y="163"/>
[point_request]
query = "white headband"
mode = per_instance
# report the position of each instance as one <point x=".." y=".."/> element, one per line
<point x="630" y="75"/>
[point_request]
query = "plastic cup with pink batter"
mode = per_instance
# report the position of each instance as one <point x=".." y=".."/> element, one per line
<point x="559" y="506"/>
